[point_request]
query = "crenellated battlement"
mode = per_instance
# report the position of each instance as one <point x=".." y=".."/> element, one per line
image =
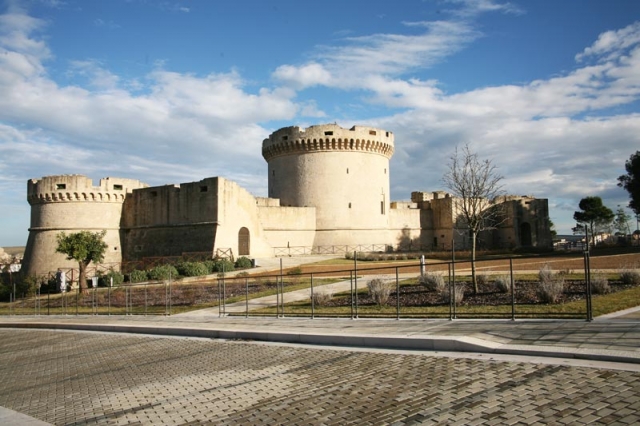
<point x="79" y="188"/>
<point x="328" y="137"/>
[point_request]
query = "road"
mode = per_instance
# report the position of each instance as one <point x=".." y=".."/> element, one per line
<point x="69" y="377"/>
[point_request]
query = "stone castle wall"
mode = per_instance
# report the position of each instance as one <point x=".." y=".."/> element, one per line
<point x="343" y="173"/>
<point x="71" y="203"/>
<point x="328" y="186"/>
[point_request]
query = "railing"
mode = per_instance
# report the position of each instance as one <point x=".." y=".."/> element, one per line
<point x="245" y="295"/>
<point x="326" y="250"/>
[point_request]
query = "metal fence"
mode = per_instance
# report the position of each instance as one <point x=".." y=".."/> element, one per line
<point x="308" y="294"/>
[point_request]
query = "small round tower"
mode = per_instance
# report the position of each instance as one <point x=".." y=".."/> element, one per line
<point x="71" y="203"/>
<point x="343" y="173"/>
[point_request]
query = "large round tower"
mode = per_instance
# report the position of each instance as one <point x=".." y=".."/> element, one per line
<point x="343" y="173"/>
<point x="71" y="203"/>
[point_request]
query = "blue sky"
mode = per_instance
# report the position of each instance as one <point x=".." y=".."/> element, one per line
<point x="176" y="91"/>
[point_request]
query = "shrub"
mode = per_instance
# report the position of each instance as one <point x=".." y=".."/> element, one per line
<point x="545" y="274"/>
<point x="243" y="262"/>
<point x="5" y="292"/>
<point x="192" y="269"/>
<point x="630" y="276"/>
<point x="295" y="271"/>
<point x="138" y="276"/>
<point x="482" y="279"/>
<point x="379" y="291"/>
<point x="322" y="298"/>
<point x="550" y="291"/>
<point x="27" y="286"/>
<point x="105" y="279"/>
<point x="242" y="274"/>
<point x="445" y="293"/>
<point x="433" y="281"/>
<point x="503" y="282"/>
<point x="600" y="285"/>
<point x="162" y="272"/>
<point x="222" y="265"/>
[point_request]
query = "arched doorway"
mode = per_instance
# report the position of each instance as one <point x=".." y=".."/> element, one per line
<point x="243" y="242"/>
<point x="525" y="234"/>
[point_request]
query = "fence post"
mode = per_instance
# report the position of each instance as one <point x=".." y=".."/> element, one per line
<point x="246" y="296"/>
<point x="281" y="310"/>
<point x="453" y="275"/>
<point x="397" y="295"/>
<point x="351" y="292"/>
<point x="312" y="304"/>
<point x="219" y="297"/>
<point x="77" y="294"/>
<point x="587" y="275"/>
<point x="450" y="294"/>
<point x="355" y="278"/>
<point x="513" y="291"/>
<point x="587" y="278"/>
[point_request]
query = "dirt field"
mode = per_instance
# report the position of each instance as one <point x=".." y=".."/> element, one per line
<point x="560" y="263"/>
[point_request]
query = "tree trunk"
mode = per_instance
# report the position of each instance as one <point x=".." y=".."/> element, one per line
<point x="82" y="276"/>
<point x="473" y="262"/>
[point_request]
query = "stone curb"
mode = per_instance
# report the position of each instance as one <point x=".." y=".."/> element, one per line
<point x="379" y="341"/>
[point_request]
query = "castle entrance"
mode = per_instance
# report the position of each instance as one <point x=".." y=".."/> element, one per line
<point x="243" y="242"/>
<point x="525" y="234"/>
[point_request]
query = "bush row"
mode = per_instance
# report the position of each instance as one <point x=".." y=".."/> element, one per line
<point x="189" y="269"/>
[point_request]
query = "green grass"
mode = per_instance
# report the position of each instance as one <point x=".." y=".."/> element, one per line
<point x="601" y="304"/>
<point x="19" y="308"/>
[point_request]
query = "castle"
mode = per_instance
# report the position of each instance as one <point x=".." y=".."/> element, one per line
<point x="328" y="192"/>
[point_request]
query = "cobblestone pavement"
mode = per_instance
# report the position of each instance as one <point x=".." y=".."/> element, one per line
<point x="64" y="377"/>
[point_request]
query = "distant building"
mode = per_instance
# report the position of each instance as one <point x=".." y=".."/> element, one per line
<point x="328" y="192"/>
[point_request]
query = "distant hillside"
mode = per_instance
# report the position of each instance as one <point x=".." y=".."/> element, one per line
<point x="14" y="251"/>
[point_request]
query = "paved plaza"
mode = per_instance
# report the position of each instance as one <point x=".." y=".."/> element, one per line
<point x="67" y="377"/>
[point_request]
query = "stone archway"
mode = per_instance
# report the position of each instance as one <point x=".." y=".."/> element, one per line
<point x="525" y="234"/>
<point x="244" y="242"/>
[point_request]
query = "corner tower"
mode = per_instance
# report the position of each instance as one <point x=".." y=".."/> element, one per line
<point x="343" y="173"/>
<point x="71" y="203"/>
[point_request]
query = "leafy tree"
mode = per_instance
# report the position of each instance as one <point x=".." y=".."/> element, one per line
<point x="631" y="181"/>
<point x="475" y="184"/>
<point x="621" y="222"/>
<point x="552" y="227"/>
<point x="85" y="247"/>
<point x="593" y="215"/>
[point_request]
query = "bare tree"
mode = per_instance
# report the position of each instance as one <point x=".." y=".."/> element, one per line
<point x="475" y="185"/>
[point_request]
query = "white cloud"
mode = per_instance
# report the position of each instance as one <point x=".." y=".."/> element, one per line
<point x="170" y="127"/>
<point x="610" y="43"/>
<point x="475" y="7"/>
<point x="308" y="75"/>
<point x="105" y="24"/>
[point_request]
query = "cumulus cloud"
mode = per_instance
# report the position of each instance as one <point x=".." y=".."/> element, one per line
<point x="554" y="137"/>
<point x="611" y="43"/>
<point x="379" y="55"/>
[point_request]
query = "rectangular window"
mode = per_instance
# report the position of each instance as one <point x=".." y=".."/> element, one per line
<point x="154" y="193"/>
<point x="204" y="188"/>
<point x="381" y="207"/>
<point x="117" y="187"/>
<point x="284" y="138"/>
<point x="328" y="133"/>
<point x="61" y="186"/>
<point x="372" y="132"/>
